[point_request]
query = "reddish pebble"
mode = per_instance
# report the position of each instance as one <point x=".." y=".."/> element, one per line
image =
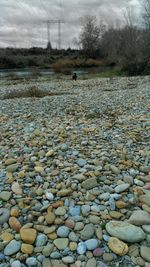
<point x="14" y="224"/>
<point x="97" y="252"/>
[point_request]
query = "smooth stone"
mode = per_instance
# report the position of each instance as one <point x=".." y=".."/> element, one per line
<point x="97" y="252"/>
<point x="145" y="199"/>
<point x="145" y="253"/>
<point x="15" y="224"/>
<point x="122" y="187"/>
<point x="16" y="188"/>
<point x="61" y="243"/>
<point x="68" y="259"/>
<point x="12" y="248"/>
<point x="50" y="217"/>
<point x="91" y="263"/>
<point x="5" y="195"/>
<point x="90" y="183"/>
<point x="94" y="219"/>
<point x="91" y="244"/>
<point x="87" y="232"/>
<point x="55" y="255"/>
<point x="49" y="196"/>
<point x="46" y="263"/>
<point x="74" y="211"/>
<point x="48" y="250"/>
<point x="146" y="228"/>
<point x="12" y="167"/>
<point x="4" y="215"/>
<point x="73" y="237"/>
<point x="16" y="264"/>
<point x="80" y="177"/>
<point x="41" y="240"/>
<point x="60" y="211"/>
<point x="145" y="169"/>
<point x="81" y="162"/>
<point x="63" y="231"/>
<point x="10" y="161"/>
<point x="114" y="169"/>
<point x="117" y="246"/>
<point x="125" y="231"/>
<point x="140" y="217"/>
<point x="81" y="248"/>
<point x="133" y="251"/>
<point x="108" y="257"/>
<point x="85" y="209"/>
<point x="64" y="192"/>
<point x="28" y="235"/>
<point x="31" y="261"/>
<point x="27" y="249"/>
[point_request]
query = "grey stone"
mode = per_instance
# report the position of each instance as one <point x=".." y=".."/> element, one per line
<point x="90" y="183"/>
<point x="125" y="231"/>
<point x="122" y="187"/>
<point x="16" y="264"/>
<point x="81" y="248"/>
<point x="87" y="232"/>
<point x="91" y="263"/>
<point x="5" y="195"/>
<point x="140" y="217"/>
<point x="145" y="253"/>
<point x="4" y="215"/>
<point x="81" y="162"/>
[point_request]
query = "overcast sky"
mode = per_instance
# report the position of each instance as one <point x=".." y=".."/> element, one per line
<point x="23" y="22"/>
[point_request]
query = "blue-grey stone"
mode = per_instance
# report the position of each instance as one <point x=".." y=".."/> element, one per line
<point x="85" y="209"/>
<point x="12" y="248"/>
<point x="41" y="240"/>
<point x="74" y="211"/>
<point x="16" y="264"/>
<point x="4" y="215"/>
<point x="64" y="147"/>
<point x="91" y="244"/>
<point x="55" y="255"/>
<point x="106" y="237"/>
<point x="73" y="237"/>
<point x="2" y="257"/>
<point x="63" y="231"/>
<point x="81" y="248"/>
<point x="31" y="261"/>
<point x="75" y="153"/>
<point x="81" y="162"/>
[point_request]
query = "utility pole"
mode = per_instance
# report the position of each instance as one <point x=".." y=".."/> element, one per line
<point x="56" y="21"/>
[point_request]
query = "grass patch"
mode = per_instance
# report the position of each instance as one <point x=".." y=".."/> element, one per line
<point x="31" y="92"/>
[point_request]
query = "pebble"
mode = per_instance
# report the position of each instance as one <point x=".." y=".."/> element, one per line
<point x="31" y="261"/>
<point x="117" y="246"/>
<point x="145" y="253"/>
<point x="63" y="231"/>
<point x="16" y="264"/>
<point x="12" y="248"/>
<point x="140" y="217"/>
<point x="81" y="248"/>
<point x="87" y="232"/>
<point x="91" y="244"/>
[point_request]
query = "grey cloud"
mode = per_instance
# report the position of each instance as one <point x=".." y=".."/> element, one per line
<point x="23" y="22"/>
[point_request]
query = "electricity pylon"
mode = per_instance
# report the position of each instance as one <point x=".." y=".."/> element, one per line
<point x="59" y="22"/>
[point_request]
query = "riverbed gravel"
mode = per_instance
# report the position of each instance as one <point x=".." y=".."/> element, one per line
<point x="75" y="173"/>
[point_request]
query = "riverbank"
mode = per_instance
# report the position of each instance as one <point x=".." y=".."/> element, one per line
<point x="75" y="175"/>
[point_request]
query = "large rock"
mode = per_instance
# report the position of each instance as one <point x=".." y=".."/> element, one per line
<point x="140" y="217"/>
<point x="125" y="231"/>
<point x="90" y="183"/>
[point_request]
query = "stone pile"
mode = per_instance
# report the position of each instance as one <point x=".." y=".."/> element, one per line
<point x="75" y="176"/>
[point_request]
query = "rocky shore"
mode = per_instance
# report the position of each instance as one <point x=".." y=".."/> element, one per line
<point x="75" y="174"/>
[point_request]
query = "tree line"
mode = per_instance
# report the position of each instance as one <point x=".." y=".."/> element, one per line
<point x="127" y="47"/>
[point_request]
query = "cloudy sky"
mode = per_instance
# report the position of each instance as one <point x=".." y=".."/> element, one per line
<point x="23" y="22"/>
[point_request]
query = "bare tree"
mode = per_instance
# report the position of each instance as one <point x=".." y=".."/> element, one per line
<point x="90" y="36"/>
